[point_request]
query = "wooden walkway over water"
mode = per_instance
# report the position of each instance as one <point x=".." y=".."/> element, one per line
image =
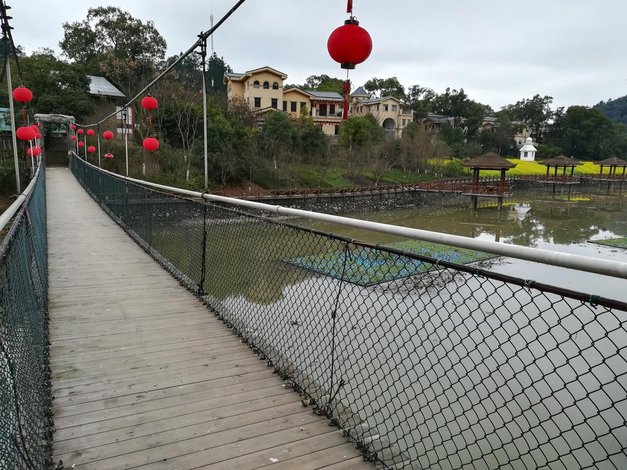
<point x="145" y="376"/>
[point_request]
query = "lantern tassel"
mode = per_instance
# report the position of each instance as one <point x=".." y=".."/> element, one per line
<point x="349" y="7"/>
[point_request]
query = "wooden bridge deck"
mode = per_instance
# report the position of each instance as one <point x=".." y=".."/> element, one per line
<point x="144" y="376"/>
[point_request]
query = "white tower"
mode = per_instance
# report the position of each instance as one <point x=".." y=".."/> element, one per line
<point x="528" y="151"/>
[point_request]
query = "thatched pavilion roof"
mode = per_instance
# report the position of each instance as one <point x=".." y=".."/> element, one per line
<point x="490" y="161"/>
<point x="612" y="161"/>
<point x="561" y="160"/>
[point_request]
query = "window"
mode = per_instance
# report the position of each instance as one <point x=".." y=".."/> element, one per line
<point x="377" y="107"/>
<point x="275" y="86"/>
<point x="293" y="106"/>
<point x="332" y="109"/>
<point x="275" y="103"/>
<point x="394" y="108"/>
<point x="266" y="85"/>
<point x="385" y="107"/>
<point x="285" y="106"/>
<point x="303" y="104"/>
<point x="337" y="130"/>
<point x="257" y="102"/>
<point x="322" y="110"/>
<point x="256" y="84"/>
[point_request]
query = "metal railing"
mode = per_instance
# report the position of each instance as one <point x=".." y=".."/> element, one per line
<point x="25" y="397"/>
<point x="423" y="362"/>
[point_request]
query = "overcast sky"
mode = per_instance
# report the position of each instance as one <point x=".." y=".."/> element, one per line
<point x="499" y="51"/>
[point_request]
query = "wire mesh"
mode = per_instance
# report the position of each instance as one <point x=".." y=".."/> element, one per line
<point x="25" y="399"/>
<point x="422" y="363"/>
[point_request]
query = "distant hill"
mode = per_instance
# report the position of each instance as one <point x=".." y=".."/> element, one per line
<point x="616" y="109"/>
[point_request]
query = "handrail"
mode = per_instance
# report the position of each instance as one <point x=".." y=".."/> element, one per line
<point x="538" y="255"/>
<point x="8" y="214"/>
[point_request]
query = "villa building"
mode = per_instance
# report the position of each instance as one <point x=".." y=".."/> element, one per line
<point x="263" y="91"/>
<point x="391" y="113"/>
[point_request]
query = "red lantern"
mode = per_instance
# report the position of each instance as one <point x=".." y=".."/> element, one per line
<point x="25" y="133"/>
<point x="350" y="44"/>
<point x="35" y="151"/>
<point x="81" y="144"/>
<point x="108" y="135"/>
<point x="150" y="102"/>
<point x="34" y="127"/>
<point x="73" y="127"/>
<point x="90" y="132"/>
<point x="80" y="131"/>
<point x="73" y="138"/>
<point x="22" y="94"/>
<point x="151" y="144"/>
<point x="108" y="156"/>
<point x="91" y="149"/>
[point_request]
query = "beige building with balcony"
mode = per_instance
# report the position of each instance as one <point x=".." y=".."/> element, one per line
<point x="262" y="89"/>
<point x="390" y="112"/>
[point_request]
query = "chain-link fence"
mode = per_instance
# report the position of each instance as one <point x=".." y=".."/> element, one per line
<point x="25" y="400"/>
<point x="422" y="362"/>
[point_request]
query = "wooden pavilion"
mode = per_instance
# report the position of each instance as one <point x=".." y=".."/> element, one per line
<point x="613" y="163"/>
<point x="565" y="179"/>
<point x="488" y="161"/>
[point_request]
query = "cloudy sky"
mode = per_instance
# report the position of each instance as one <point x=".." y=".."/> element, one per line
<point x="499" y="51"/>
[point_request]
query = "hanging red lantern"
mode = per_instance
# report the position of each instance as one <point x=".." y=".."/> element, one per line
<point x="108" y="135"/>
<point x="34" y="127"/>
<point x="108" y="156"/>
<point x="73" y="138"/>
<point x="91" y="149"/>
<point x="81" y="144"/>
<point x="73" y="127"/>
<point x="25" y="133"/>
<point x="349" y="44"/>
<point x="90" y="132"/>
<point x="80" y="131"/>
<point x="22" y="94"/>
<point x="151" y="144"/>
<point x="38" y="135"/>
<point x="149" y="102"/>
<point x="34" y="151"/>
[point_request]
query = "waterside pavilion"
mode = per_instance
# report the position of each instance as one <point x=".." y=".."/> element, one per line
<point x="488" y="161"/>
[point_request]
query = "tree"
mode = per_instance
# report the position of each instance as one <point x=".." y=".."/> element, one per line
<point x="276" y="135"/>
<point x="589" y="134"/>
<point x="535" y="113"/>
<point x="216" y="68"/>
<point x="416" y="149"/>
<point x="386" y="87"/>
<point x="421" y="100"/>
<point x="57" y="87"/>
<point x="111" y="41"/>
<point x="324" y="83"/>
<point x="501" y="139"/>
<point x="616" y="109"/>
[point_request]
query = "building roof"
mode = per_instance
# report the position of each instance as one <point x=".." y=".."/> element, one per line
<point x="379" y="100"/>
<point x="438" y="118"/>
<point x="361" y="91"/>
<point x="234" y="76"/>
<point x="561" y="160"/>
<point x="296" y="89"/>
<point x="489" y="161"/>
<point x="241" y="76"/>
<point x="100" y="86"/>
<point x="326" y="95"/>
<point x="528" y="146"/>
<point x="612" y="161"/>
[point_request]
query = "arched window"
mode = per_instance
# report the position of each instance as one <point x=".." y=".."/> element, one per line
<point x="266" y="85"/>
<point x="275" y="86"/>
<point x="256" y="84"/>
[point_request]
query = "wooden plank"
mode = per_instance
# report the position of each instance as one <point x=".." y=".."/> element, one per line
<point x="144" y="374"/>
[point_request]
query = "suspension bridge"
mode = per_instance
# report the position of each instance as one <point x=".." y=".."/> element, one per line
<point x="141" y="328"/>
